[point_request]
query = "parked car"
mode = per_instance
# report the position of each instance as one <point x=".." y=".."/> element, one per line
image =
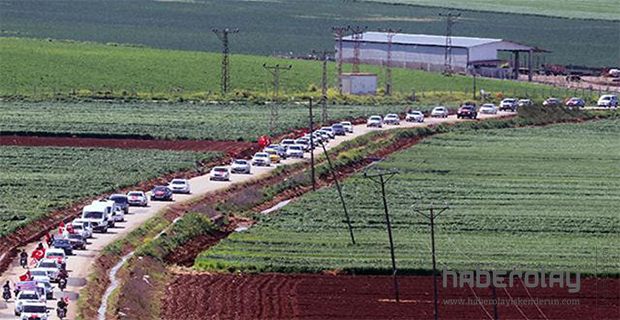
<point x="488" y="108"/>
<point x="414" y="116"/>
<point x="525" y="103"/>
<point x="374" y="121"/>
<point x="63" y="244"/>
<point x="552" y="102"/>
<point x="220" y="174"/>
<point x="57" y="254"/>
<point x="180" y="186"/>
<point x="137" y="198"/>
<point x="25" y="297"/>
<point x="467" y="111"/>
<point x="77" y="241"/>
<point x="121" y="201"/>
<point x="34" y="310"/>
<point x="240" y="166"/>
<point x="287" y="142"/>
<point x="295" y="151"/>
<point x="83" y="228"/>
<point x="348" y="126"/>
<point x="439" y="112"/>
<point x="392" y="118"/>
<point x="575" y="102"/>
<point x="161" y="193"/>
<point x="261" y="159"/>
<point x="330" y="132"/>
<point x="51" y="267"/>
<point x="608" y="101"/>
<point x="509" y="104"/>
<point x="338" y="129"/>
<point x="273" y="154"/>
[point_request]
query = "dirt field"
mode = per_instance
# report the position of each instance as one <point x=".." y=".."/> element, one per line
<point x="230" y="147"/>
<point x="280" y="296"/>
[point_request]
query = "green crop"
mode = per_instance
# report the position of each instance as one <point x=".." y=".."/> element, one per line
<point x="526" y="198"/>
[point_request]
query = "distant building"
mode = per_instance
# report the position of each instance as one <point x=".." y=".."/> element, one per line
<point x="427" y="52"/>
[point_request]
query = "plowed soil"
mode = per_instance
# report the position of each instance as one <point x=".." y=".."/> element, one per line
<point x="230" y="147"/>
<point x="304" y="296"/>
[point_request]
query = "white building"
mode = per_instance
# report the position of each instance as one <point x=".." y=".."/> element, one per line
<point x="427" y="52"/>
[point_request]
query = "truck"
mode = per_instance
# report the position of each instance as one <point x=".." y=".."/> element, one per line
<point x="97" y="216"/>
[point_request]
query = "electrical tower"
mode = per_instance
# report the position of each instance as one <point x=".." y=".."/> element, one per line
<point x="450" y="21"/>
<point x="223" y="36"/>
<point x="339" y="33"/>
<point x="323" y="56"/>
<point x="357" y="33"/>
<point x="275" y="71"/>
<point x="388" y="66"/>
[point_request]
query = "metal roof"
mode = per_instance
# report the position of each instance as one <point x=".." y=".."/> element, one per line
<point x="434" y="40"/>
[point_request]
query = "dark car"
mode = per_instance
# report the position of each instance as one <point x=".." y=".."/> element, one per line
<point x="121" y="200"/>
<point x="552" y="102"/>
<point x="467" y="110"/>
<point x="575" y="102"/>
<point x="77" y="241"/>
<point x="63" y="244"/>
<point x="339" y="129"/>
<point x="161" y="193"/>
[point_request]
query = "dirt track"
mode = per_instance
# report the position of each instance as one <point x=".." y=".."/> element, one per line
<point x="281" y="296"/>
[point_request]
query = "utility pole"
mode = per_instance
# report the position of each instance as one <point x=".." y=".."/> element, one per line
<point x="275" y="71"/>
<point x="388" y="67"/>
<point x="324" y="56"/>
<point x="434" y="213"/>
<point x="356" y="36"/>
<point x="344" y="205"/>
<point x="382" y="178"/>
<point x="223" y="36"/>
<point x="339" y="33"/>
<point x="450" y="21"/>
<point x="311" y="128"/>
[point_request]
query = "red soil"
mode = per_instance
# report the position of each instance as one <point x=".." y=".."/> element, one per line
<point x="304" y="296"/>
<point x="230" y="147"/>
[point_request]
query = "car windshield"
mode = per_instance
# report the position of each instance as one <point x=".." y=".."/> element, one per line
<point x="47" y="265"/>
<point x="346" y="123"/>
<point x="159" y="189"/>
<point x="38" y="273"/>
<point x="337" y="126"/>
<point x="34" y="309"/>
<point x="135" y="194"/>
<point x="375" y="118"/>
<point x="241" y="162"/>
<point x="220" y="169"/>
<point x="178" y="182"/>
<point x="287" y="141"/>
<point x="93" y="215"/>
<point x="28" y="296"/>
<point x="60" y="242"/>
<point x="119" y="199"/>
<point x="439" y="109"/>
<point x="77" y="227"/>
<point x="295" y="148"/>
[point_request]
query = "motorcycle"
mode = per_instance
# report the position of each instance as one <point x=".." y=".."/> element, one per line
<point x="23" y="261"/>
<point x="6" y="294"/>
<point x="62" y="284"/>
<point x="61" y="312"/>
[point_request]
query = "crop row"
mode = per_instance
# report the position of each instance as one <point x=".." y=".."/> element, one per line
<point x="35" y="181"/>
<point x="527" y="197"/>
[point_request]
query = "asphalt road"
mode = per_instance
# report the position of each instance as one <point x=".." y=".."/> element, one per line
<point x="79" y="265"/>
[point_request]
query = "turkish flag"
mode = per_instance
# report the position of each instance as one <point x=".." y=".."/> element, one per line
<point x="264" y="141"/>
<point x="38" y="254"/>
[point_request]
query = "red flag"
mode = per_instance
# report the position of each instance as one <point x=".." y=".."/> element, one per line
<point x="38" y="254"/>
<point x="264" y="141"/>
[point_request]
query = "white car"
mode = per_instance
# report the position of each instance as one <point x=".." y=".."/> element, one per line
<point x="304" y="142"/>
<point x="488" y="108"/>
<point x="525" y="103"/>
<point x="240" y="166"/>
<point x="608" y="101"/>
<point x="509" y="104"/>
<point x="179" y="186"/>
<point x="374" y="121"/>
<point x="261" y="159"/>
<point x="324" y="136"/>
<point x="51" y="267"/>
<point x="34" y="310"/>
<point x="113" y="210"/>
<point x="137" y="198"/>
<point x="348" y="126"/>
<point x="439" y="112"/>
<point x="44" y="285"/>
<point x="295" y="151"/>
<point x="220" y="174"/>
<point x="26" y="297"/>
<point x="391" y="118"/>
<point x="82" y="228"/>
<point x="329" y="131"/>
<point x="414" y="116"/>
<point x="56" y="254"/>
<point x="286" y="143"/>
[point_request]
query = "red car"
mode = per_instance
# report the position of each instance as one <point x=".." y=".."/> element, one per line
<point x="467" y="110"/>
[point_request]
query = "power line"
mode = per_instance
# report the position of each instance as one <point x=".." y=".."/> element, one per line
<point x="324" y="56"/>
<point x="311" y="128"/>
<point x="357" y="36"/>
<point x="275" y="71"/>
<point x="339" y="33"/>
<point x="388" y="67"/>
<point x="450" y="21"/>
<point x="225" y="76"/>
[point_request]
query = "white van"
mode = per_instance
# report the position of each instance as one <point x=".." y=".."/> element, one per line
<point x="608" y="101"/>
<point x="115" y="211"/>
<point x="97" y="216"/>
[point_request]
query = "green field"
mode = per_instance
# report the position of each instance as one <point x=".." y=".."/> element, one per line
<point x="580" y="9"/>
<point x="35" y="181"/>
<point x="526" y="198"/>
<point x="41" y="68"/>
<point x="299" y="26"/>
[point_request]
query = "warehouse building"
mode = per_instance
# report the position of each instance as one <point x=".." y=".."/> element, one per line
<point x="427" y="52"/>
